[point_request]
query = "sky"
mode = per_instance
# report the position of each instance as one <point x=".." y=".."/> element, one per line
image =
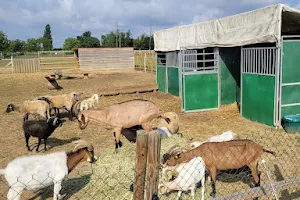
<point x="23" y="19"/>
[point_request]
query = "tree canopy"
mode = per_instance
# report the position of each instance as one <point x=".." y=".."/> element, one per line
<point x="85" y="40"/>
<point x="47" y="39"/>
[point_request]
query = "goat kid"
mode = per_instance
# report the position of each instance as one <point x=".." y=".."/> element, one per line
<point x="189" y="175"/>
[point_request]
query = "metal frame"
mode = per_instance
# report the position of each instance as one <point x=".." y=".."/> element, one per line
<point x="206" y="70"/>
<point x="281" y="85"/>
<point x="165" y="65"/>
<point x="262" y="61"/>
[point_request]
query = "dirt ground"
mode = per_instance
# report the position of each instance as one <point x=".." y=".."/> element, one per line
<point x="16" y="88"/>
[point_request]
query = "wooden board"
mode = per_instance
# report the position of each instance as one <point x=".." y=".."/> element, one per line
<point x="129" y="90"/>
<point x="103" y="58"/>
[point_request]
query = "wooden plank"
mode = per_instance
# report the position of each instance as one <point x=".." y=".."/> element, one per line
<point x="140" y="165"/>
<point x="129" y="90"/>
<point x="154" y="145"/>
<point x="262" y="190"/>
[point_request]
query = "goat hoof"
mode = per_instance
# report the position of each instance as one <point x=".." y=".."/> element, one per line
<point x="212" y="194"/>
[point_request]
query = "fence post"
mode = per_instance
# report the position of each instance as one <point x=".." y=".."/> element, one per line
<point x="154" y="144"/>
<point x="145" y="63"/>
<point x="12" y="64"/>
<point x="141" y="162"/>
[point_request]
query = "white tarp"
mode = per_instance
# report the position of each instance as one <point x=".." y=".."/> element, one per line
<point x="258" y="26"/>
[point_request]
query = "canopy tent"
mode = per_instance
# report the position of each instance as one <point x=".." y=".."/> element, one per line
<point x="264" y="25"/>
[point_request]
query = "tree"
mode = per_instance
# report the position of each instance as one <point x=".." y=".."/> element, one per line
<point x="109" y="40"/>
<point x="3" y="42"/>
<point x="71" y="43"/>
<point x="33" y="45"/>
<point x="86" y="40"/>
<point x="16" y="46"/>
<point x="47" y="41"/>
<point x="128" y="40"/>
<point x="142" y="42"/>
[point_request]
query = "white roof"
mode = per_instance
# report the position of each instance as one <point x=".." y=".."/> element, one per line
<point x="257" y="26"/>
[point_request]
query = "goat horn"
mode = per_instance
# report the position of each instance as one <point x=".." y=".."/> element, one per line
<point x="54" y="121"/>
<point x="82" y="144"/>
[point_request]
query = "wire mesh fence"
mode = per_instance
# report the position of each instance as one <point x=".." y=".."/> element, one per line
<point x="114" y="176"/>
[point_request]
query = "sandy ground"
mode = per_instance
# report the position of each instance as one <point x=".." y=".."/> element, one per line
<point x="110" y="177"/>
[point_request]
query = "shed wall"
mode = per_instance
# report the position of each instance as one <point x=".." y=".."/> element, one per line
<point x="105" y="58"/>
<point x="230" y="74"/>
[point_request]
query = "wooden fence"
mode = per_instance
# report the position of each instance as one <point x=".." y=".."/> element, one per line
<point x="26" y="65"/>
<point x="52" y="63"/>
<point x="93" y="59"/>
<point x="88" y="60"/>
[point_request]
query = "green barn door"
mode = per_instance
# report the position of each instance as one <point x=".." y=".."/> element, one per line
<point x="200" y="80"/>
<point x="161" y="72"/>
<point x="258" y="84"/>
<point x="290" y="81"/>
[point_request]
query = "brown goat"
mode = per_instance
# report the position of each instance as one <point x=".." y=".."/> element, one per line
<point x="232" y="154"/>
<point x="123" y="115"/>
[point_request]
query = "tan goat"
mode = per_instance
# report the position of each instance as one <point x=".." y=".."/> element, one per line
<point x="123" y="115"/>
<point x="232" y="154"/>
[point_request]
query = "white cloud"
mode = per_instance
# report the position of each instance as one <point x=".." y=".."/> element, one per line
<point x="69" y="18"/>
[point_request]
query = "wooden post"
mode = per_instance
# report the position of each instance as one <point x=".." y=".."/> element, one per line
<point x="154" y="144"/>
<point x="145" y="63"/>
<point x="141" y="162"/>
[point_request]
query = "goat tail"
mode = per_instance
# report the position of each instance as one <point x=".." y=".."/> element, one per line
<point x="271" y="152"/>
<point x="2" y="172"/>
<point x="165" y="118"/>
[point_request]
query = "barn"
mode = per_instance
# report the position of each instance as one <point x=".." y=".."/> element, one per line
<point x="250" y="58"/>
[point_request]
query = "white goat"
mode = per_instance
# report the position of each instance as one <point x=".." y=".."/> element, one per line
<point x="189" y="175"/>
<point x="39" y="171"/>
<point x="86" y="104"/>
<point x="226" y="136"/>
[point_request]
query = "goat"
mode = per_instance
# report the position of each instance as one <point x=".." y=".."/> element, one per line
<point x="41" y="129"/>
<point x="86" y="104"/>
<point x="173" y="126"/>
<point x="123" y="115"/>
<point x="189" y="175"/>
<point x="227" y="155"/>
<point x="39" y="171"/>
<point x="62" y="101"/>
<point x="36" y="107"/>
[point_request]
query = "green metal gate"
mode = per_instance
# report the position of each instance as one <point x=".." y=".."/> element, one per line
<point x="199" y="72"/>
<point x="258" y="84"/>
<point x="167" y="72"/>
<point x="290" y="71"/>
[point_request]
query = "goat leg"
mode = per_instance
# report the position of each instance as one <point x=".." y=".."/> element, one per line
<point x="39" y="143"/>
<point x="27" y="136"/>
<point x="213" y="193"/>
<point x="70" y="115"/>
<point x="45" y="143"/>
<point x="213" y="174"/>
